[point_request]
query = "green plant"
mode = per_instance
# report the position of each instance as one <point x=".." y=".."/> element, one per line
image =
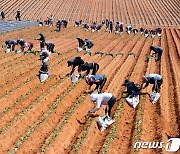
<point x="99" y="52"/>
<point x="120" y="53"/>
<point x="150" y="56"/>
<point x="109" y="54"/>
<point x="133" y="54"/>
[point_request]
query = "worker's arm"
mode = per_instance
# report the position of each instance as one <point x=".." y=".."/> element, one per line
<point x="97" y="107"/>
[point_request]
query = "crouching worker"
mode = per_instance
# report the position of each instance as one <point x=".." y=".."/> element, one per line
<point x="133" y="92"/>
<point x="103" y="99"/>
<point x="9" y="44"/>
<point x="90" y="66"/>
<point x="28" y="45"/>
<point x="88" y="45"/>
<point x="154" y="79"/>
<point x="75" y="62"/>
<point x="43" y="72"/>
<point x="45" y="55"/>
<point x="157" y="51"/>
<point x="99" y="80"/>
<point x="157" y="81"/>
<point x="81" y="43"/>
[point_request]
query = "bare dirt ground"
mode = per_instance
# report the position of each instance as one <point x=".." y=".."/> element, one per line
<point x="42" y="117"/>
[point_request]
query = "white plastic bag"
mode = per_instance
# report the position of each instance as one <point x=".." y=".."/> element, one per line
<point x="7" y="50"/>
<point x="74" y="78"/>
<point x="43" y="77"/>
<point x="18" y="51"/>
<point x="104" y="122"/>
<point x="79" y="49"/>
<point x="134" y="101"/>
<point x="155" y="97"/>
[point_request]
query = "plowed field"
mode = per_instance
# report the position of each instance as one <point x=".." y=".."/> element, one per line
<point x="134" y="12"/>
<point x="42" y="117"/>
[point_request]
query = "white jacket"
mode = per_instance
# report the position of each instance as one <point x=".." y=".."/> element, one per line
<point x="100" y="99"/>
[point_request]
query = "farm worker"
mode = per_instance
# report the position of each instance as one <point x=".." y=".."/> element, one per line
<point x="153" y="33"/>
<point x="98" y="28"/>
<point x="42" y="40"/>
<point x="121" y="28"/>
<point x="132" y="88"/>
<point x="50" y="46"/>
<point x="18" y="15"/>
<point x="28" y="45"/>
<point x="135" y="31"/>
<point x="51" y="21"/>
<point x="129" y="29"/>
<point x="103" y="99"/>
<point x="86" y="27"/>
<point x="110" y="27"/>
<point x="88" y="45"/>
<point x="117" y="28"/>
<point x="159" y="31"/>
<point x="146" y="33"/>
<point x="75" y="62"/>
<point x="64" y="23"/>
<point x="99" y="80"/>
<point x="90" y="66"/>
<point x="93" y="27"/>
<point x="81" y="43"/>
<point x="58" y="25"/>
<point x="107" y="24"/>
<point x="154" y="79"/>
<point x="43" y="72"/>
<point x="77" y="23"/>
<point x="141" y="30"/>
<point x="45" y="55"/>
<point x="10" y="43"/>
<point x="157" y="50"/>
<point x="2" y="15"/>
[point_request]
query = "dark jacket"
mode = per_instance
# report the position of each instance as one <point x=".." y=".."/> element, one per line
<point x="81" y="42"/>
<point x="132" y="89"/>
<point x="13" y="42"/>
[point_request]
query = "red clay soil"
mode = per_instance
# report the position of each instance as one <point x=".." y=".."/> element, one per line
<point x="42" y="117"/>
<point x="139" y="12"/>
